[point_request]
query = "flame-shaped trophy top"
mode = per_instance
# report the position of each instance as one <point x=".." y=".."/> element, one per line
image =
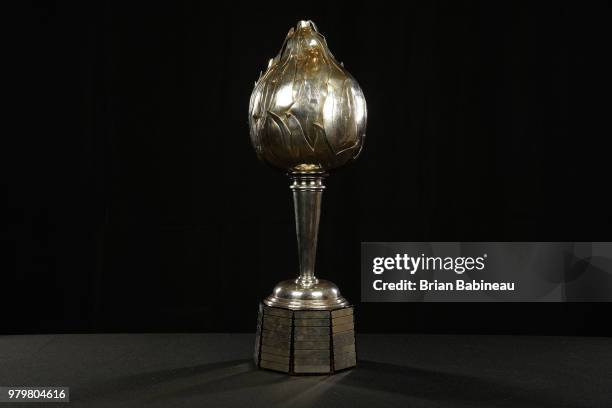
<point x="307" y="114"/>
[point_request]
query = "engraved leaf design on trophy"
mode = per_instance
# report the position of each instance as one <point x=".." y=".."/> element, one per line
<point x="306" y="110"/>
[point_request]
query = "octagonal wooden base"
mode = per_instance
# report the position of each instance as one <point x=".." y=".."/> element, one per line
<point x="305" y="341"/>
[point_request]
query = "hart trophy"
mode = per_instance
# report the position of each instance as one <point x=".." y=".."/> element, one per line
<point x="307" y="116"/>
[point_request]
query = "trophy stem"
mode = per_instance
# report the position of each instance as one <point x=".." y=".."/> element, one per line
<point x="305" y="326"/>
<point x="307" y="194"/>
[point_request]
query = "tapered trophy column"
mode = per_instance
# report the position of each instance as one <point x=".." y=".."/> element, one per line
<point x="307" y="116"/>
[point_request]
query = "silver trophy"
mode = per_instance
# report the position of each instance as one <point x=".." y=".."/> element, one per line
<point x="307" y="116"/>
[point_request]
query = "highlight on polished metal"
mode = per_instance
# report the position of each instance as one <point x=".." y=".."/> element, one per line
<point x="307" y="116"/>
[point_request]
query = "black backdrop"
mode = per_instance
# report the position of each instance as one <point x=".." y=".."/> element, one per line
<point x="135" y="201"/>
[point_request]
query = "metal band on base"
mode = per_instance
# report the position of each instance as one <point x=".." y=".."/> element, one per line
<point x="322" y="295"/>
<point x="305" y="341"/>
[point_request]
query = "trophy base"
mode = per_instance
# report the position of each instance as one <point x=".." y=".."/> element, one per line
<point x="305" y="341"/>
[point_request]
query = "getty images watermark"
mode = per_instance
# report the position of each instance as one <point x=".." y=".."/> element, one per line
<point x="486" y="271"/>
<point x="413" y="264"/>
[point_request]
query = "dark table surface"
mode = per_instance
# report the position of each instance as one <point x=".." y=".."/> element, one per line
<point x="215" y="370"/>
